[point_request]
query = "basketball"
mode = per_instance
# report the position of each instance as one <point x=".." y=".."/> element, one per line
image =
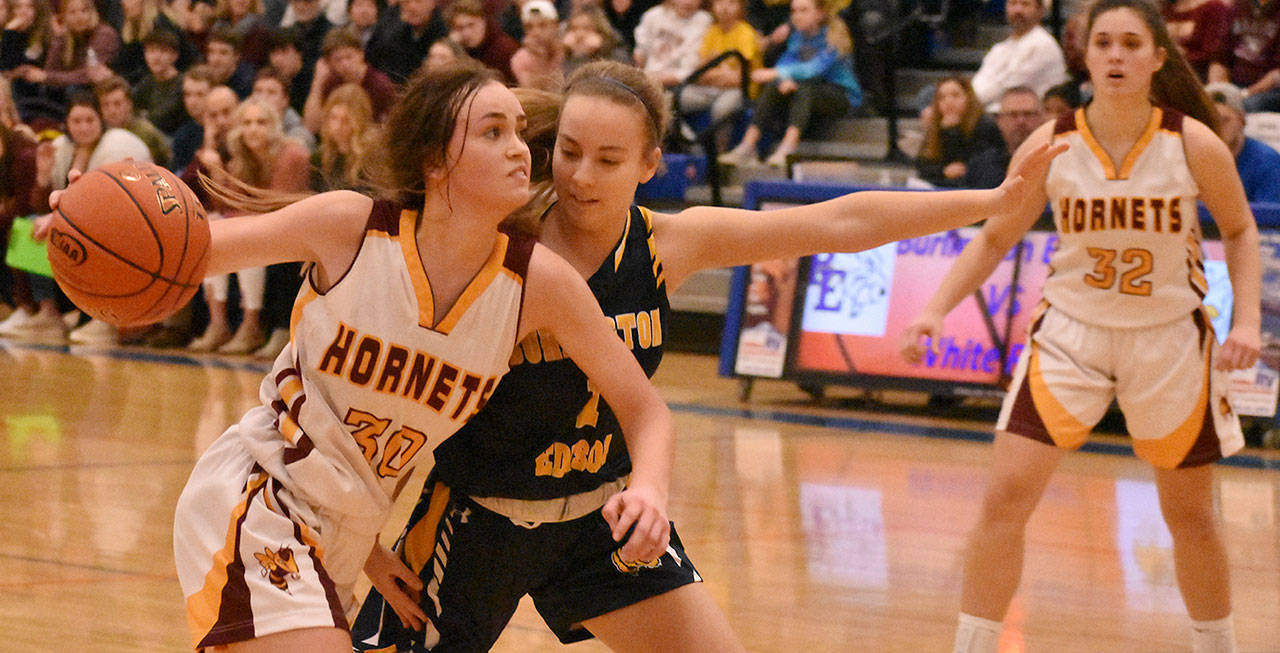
<point x="129" y="243"/>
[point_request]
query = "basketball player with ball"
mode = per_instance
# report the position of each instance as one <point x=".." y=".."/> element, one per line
<point x="411" y="308"/>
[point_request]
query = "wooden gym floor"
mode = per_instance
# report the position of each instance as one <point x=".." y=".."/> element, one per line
<point x="817" y="529"/>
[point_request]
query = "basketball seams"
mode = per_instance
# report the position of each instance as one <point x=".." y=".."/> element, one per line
<point x="154" y="275"/>
<point x="182" y="257"/>
<point x="127" y="294"/>
<point x="146" y="217"/>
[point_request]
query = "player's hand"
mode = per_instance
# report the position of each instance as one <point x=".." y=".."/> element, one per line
<point x="1240" y="351"/>
<point x="399" y="586"/>
<point x="920" y="337"/>
<point x="642" y="510"/>
<point x="1022" y="191"/>
<point x="40" y="226"/>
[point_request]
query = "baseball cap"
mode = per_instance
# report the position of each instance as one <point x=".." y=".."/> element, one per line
<point x="538" y="9"/>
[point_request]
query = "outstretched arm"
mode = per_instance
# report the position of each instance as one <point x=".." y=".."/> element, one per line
<point x="558" y="300"/>
<point x="1214" y="170"/>
<point x="980" y="257"/>
<point x="708" y="237"/>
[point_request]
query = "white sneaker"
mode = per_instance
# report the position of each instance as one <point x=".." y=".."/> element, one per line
<point x="738" y="156"/>
<point x="96" y="332"/>
<point x="274" y="345"/>
<point x="777" y="160"/>
<point x="41" y="328"/>
<point x="12" y="324"/>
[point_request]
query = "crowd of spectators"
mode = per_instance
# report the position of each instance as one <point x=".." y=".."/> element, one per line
<point x="282" y="94"/>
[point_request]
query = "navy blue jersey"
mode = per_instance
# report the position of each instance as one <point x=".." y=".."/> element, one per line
<point x="544" y="433"/>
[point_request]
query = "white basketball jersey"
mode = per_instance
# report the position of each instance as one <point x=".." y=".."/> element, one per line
<point x="368" y="385"/>
<point x="1128" y="251"/>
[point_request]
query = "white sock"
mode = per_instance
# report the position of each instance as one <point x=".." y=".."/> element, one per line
<point x="1217" y="636"/>
<point x="978" y="635"/>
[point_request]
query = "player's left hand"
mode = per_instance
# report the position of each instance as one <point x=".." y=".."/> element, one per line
<point x="400" y="587"/>
<point x="1023" y="189"/>
<point x="641" y="510"/>
<point x="1240" y="351"/>
<point x="40" y="226"/>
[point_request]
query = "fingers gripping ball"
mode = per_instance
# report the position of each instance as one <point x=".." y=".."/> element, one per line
<point x="129" y="243"/>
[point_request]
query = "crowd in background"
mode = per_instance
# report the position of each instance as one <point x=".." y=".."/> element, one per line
<point x="284" y="95"/>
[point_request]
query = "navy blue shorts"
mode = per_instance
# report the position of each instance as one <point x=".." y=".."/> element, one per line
<point x="477" y="564"/>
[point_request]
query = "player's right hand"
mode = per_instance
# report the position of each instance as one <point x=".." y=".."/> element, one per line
<point x="399" y="586"/>
<point x="641" y="511"/>
<point x="920" y="337"/>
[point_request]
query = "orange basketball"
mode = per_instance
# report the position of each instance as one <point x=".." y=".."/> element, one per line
<point x="129" y="243"/>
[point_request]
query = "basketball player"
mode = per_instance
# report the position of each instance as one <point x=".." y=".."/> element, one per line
<point x="1122" y="316"/>
<point x="516" y="503"/>
<point x="400" y="335"/>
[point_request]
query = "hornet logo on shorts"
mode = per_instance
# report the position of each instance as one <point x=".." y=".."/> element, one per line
<point x="279" y="566"/>
<point x="633" y="567"/>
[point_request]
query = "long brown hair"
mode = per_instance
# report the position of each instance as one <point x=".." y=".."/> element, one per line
<point x="1175" y="85"/>
<point x="932" y="148"/>
<point x="415" y="139"/>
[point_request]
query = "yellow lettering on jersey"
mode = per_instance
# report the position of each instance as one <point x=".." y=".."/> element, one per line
<point x="626" y="324"/>
<point x="551" y="350"/>
<point x="532" y="350"/>
<point x="644" y="330"/>
<point x="537" y="347"/>
<point x="590" y="412"/>
<point x="582" y="456"/>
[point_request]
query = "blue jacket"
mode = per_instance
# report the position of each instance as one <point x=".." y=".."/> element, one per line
<point x="1259" y="168"/>
<point x="811" y="57"/>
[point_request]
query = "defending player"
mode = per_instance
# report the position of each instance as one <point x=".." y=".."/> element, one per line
<point x="1122" y="317"/>
<point x="517" y="503"/>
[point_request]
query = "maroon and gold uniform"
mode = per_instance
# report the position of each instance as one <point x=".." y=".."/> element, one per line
<point x="368" y="386"/>
<point x="1122" y="317"/>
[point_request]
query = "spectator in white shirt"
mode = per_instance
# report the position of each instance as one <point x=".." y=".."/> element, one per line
<point x="1028" y="57"/>
<point x="669" y="38"/>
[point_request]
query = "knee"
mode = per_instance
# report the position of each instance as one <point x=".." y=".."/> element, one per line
<point x="1009" y="501"/>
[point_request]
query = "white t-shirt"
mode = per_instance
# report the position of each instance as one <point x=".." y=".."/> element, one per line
<point x="1034" y="60"/>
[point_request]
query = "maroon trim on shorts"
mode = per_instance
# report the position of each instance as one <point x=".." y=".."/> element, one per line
<point x="330" y="592"/>
<point x="1024" y="419"/>
<point x="1206" y="449"/>
<point x="235" y="613"/>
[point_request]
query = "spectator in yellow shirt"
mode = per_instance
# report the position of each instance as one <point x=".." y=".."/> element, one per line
<point x="719" y="89"/>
